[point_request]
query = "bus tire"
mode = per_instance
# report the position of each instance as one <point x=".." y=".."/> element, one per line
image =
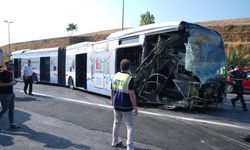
<point x="229" y="88"/>
<point x="71" y="83"/>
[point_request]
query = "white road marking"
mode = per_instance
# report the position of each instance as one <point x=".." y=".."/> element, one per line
<point x="149" y="113"/>
<point x="237" y="103"/>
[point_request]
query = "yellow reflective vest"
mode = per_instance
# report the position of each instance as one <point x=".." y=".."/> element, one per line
<point x="120" y="87"/>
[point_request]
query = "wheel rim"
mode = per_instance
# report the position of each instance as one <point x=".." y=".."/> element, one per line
<point x="229" y="88"/>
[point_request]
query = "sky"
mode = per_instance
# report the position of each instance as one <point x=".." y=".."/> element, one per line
<point x="43" y="19"/>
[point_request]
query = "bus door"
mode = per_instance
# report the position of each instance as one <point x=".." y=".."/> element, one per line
<point x="81" y="70"/>
<point x="61" y="66"/>
<point x="17" y="68"/>
<point x="45" y="69"/>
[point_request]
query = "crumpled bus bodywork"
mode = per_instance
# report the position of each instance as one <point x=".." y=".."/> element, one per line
<point x="182" y="69"/>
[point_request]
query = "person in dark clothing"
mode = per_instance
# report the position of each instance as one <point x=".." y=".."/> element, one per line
<point x="238" y="76"/>
<point x="7" y="95"/>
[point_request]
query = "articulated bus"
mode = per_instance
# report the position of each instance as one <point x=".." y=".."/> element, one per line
<point x="177" y="64"/>
<point x="45" y="64"/>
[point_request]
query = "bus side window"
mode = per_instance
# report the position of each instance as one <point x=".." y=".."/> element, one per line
<point x="70" y="69"/>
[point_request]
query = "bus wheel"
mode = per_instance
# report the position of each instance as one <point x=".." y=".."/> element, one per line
<point x="229" y="88"/>
<point x="71" y="83"/>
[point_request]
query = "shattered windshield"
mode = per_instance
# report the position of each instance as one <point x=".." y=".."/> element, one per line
<point x="182" y="68"/>
<point x="205" y="54"/>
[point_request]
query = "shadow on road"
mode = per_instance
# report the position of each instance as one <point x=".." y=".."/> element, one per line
<point x="25" y="99"/>
<point x="6" y="140"/>
<point x="49" y="140"/>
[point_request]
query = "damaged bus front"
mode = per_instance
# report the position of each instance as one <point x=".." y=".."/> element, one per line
<point x="182" y="68"/>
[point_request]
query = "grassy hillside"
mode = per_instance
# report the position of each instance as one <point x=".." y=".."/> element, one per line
<point x="240" y="21"/>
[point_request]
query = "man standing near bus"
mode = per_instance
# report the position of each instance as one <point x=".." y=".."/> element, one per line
<point x="123" y="99"/>
<point x="27" y="77"/>
<point x="7" y="96"/>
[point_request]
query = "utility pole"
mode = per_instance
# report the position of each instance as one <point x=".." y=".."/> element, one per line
<point x="8" y="32"/>
<point x="122" y="14"/>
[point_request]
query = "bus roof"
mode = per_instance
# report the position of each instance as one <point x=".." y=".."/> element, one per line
<point x="19" y="51"/>
<point x="156" y="27"/>
<point x="34" y="50"/>
<point x="78" y="45"/>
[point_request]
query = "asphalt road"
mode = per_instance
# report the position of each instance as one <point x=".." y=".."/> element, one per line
<point x="60" y="118"/>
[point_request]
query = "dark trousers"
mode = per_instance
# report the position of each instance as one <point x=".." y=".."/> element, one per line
<point x="239" y="91"/>
<point x="28" y="82"/>
<point x="8" y="103"/>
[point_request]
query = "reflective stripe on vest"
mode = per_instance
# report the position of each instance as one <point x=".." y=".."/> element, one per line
<point x="120" y="82"/>
<point x="239" y="79"/>
<point x="223" y="72"/>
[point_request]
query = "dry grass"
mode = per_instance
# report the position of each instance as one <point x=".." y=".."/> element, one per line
<point x="240" y="21"/>
<point x="237" y="45"/>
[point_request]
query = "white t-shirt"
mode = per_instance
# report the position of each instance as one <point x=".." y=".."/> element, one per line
<point x="27" y="70"/>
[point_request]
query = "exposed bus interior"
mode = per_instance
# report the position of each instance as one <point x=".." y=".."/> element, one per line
<point x="132" y="53"/>
<point x="81" y="70"/>
<point x="162" y="78"/>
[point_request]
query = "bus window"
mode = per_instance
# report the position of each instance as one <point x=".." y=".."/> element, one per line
<point x="131" y="53"/>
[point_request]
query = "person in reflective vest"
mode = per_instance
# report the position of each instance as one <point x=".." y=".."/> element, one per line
<point x="223" y="72"/>
<point x="123" y="99"/>
<point x="238" y="76"/>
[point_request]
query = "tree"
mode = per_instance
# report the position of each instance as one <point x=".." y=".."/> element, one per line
<point x="147" y="18"/>
<point x="71" y="28"/>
